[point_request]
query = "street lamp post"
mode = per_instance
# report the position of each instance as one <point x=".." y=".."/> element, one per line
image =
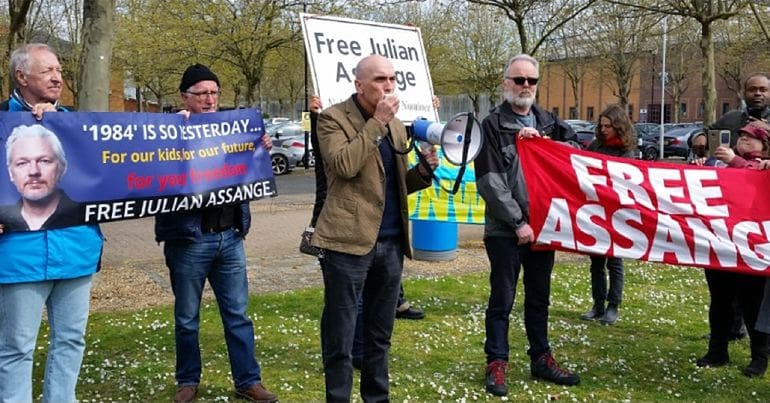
<point x="663" y="87"/>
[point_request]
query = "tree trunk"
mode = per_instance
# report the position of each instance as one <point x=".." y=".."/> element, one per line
<point x="94" y="82"/>
<point x="17" y="11"/>
<point x="709" y="79"/>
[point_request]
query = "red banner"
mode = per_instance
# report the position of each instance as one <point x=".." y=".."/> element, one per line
<point x="655" y="211"/>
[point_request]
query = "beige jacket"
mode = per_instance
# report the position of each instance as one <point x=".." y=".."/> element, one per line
<point x="355" y="179"/>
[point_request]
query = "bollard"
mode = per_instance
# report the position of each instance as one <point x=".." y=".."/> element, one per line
<point x="434" y="240"/>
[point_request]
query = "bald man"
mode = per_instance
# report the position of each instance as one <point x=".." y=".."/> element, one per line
<point x="363" y="228"/>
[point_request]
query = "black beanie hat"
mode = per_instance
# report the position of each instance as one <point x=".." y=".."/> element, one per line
<point x="194" y="74"/>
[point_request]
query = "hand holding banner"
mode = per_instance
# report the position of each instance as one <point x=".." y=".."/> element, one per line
<point x="76" y="168"/>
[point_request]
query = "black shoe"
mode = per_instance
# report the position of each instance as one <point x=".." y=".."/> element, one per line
<point x="546" y="368"/>
<point x="495" y="378"/>
<point x="610" y="315"/>
<point x="757" y="367"/>
<point x="410" y="313"/>
<point x="357" y="361"/>
<point x="593" y="314"/>
<point x="713" y="360"/>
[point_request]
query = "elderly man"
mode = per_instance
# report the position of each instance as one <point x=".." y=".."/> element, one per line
<point x="507" y="235"/>
<point x="208" y="244"/>
<point x="36" y="163"/>
<point x="363" y="228"/>
<point x="49" y="268"/>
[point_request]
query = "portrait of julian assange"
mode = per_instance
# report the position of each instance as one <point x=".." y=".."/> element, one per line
<point x="36" y="163"/>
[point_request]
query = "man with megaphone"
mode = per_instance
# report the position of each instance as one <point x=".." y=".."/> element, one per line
<point x="507" y="235"/>
<point x="363" y="229"/>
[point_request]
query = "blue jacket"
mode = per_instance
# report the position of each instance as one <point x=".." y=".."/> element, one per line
<point x="187" y="225"/>
<point x="53" y="254"/>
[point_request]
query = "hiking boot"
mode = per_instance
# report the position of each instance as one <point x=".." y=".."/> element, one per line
<point x="610" y="315"/>
<point x="257" y="393"/>
<point x="410" y="313"/>
<point x="186" y="394"/>
<point x="712" y="359"/>
<point x="595" y="313"/>
<point x="495" y="378"/>
<point x="757" y="367"/>
<point x="546" y="368"/>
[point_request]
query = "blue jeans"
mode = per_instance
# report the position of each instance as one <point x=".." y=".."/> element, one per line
<point x="374" y="278"/>
<point x="218" y="257"/>
<point x="506" y="260"/>
<point x="599" y="280"/>
<point x="21" y="309"/>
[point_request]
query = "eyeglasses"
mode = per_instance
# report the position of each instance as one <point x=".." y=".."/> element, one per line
<point x="205" y="94"/>
<point x="521" y="80"/>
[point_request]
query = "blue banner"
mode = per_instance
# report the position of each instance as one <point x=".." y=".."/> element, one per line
<point x="75" y="168"/>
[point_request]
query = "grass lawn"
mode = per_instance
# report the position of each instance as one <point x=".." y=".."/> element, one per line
<point x="649" y="355"/>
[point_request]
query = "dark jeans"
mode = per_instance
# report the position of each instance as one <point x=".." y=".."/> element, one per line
<point x="374" y="278"/>
<point x="614" y="266"/>
<point x="218" y="257"/>
<point x="506" y="260"/>
<point x="724" y="287"/>
<point x="358" y="341"/>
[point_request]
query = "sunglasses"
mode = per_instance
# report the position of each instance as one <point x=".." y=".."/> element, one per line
<point x="522" y="80"/>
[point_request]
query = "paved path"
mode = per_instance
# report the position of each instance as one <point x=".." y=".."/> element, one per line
<point x="134" y="273"/>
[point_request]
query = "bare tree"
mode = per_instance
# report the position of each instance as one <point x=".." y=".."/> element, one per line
<point x="741" y="42"/>
<point x="705" y="13"/>
<point x="481" y="45"/>
<point x="574" y="56"/>
<point x="94" y="89"/>
<point x="242" y="34"/>
<point x="537" y="20"/>
<point x="682" y="63"/>
<point x="17" y="13"/>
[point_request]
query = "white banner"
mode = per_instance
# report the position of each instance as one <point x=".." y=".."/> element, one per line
<point x="335" y="45"/>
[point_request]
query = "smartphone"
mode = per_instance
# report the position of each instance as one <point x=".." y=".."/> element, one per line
<point x="713" y="140"/>
<point x="724" y="138"/>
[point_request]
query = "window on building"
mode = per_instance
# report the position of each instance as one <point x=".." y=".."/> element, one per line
<point x="556" y="111"/>
<point x="683" y="109"/>
<point x="590" y="113"/>
<point x="701" y="109"/>
<point x="631" y="112"/>
<point x="573" y="112"/>
<point x="725" y="107"/>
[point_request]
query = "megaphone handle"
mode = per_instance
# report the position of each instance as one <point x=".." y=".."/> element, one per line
<point x="458" y="179"/>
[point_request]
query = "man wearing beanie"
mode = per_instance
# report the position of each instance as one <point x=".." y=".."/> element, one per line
<point x="208" y="244"/>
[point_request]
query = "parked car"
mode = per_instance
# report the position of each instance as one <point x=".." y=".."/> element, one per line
<point x="585" y="137"/>
<point x="288" y="154"/>
<point x="647" y="131"/>
<point x="578" y="124"/>
<point x="675" y="142"/>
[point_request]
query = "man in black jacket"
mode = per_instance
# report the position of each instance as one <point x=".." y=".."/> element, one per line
<point x="507" y="233"/>
<point x="756" y="94"/>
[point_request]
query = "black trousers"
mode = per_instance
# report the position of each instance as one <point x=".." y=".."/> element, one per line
<point x="373" y="279"/>
<point x="506" y="259"/>
<point x="614" y="265"/>
<point x="724" y="287"/>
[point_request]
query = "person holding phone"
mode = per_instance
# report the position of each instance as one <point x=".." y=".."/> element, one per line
<point x="725" y="286"/>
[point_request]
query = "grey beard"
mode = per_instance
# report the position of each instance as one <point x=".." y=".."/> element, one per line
<point x="520" y="102"/>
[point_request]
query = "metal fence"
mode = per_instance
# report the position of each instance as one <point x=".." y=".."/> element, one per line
<point x="450" y="106"/>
